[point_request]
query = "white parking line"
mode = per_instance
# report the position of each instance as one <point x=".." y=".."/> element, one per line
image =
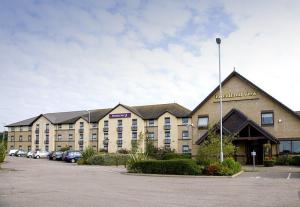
<point x="289" y="176"/>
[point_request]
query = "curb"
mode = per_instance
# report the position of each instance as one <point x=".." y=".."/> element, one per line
<point x="182" y="176"/>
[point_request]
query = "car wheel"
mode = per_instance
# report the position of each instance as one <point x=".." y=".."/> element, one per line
<point x="54" y="158"/>
<point x="30" y="156"/>
<point x="19" y="155"/>
<point x="73" y="160"/>
<point x="38" y="157"/>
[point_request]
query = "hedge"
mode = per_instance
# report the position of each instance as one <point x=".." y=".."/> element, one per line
<point x="175" y="167"/>
<point x="108" y="159"/>
<point x="170" y="156"/>
<point x="288" y="160"/>
<point x="227" y="167"/>
<point x="2" y="152"/>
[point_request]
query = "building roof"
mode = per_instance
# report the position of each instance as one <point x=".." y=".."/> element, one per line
<point x="155" y="111"/>
<point x="145" y="112"/>
<point x="236" y="74"/>
<point x="26" y="122"/>
<point x="297" y="112"/>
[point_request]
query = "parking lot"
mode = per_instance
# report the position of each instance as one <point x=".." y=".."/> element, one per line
<point x="29" y="182"/>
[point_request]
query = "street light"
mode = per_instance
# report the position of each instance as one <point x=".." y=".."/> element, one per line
<point x="218" y="40"/>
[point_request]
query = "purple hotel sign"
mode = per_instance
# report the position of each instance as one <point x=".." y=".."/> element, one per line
<point x="121" y="115"/>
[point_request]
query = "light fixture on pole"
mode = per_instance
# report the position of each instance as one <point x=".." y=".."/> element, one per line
<point x="218" y="40"/>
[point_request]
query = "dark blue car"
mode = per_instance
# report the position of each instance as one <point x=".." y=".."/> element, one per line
<point x="73" y="156"/>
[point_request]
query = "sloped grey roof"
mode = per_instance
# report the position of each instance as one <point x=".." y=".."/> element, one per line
<point x="155" y="111"/>
<point x="298" y="112"/>
<point x="146" y="112"/>
<point x="58" y="117"/>
<point x="26" y="122"/>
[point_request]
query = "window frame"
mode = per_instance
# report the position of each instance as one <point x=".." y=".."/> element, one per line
<point x="261" y="117"/>
<point x="201" y="117"/>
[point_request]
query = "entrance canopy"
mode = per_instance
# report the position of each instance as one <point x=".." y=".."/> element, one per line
<point x="238" y="124"/>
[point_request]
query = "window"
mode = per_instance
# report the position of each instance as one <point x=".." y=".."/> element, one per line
<point x="105" y="135"/>
<point x="70" y="126"/>
<point x="58" y="147"/>
<point x="70" y="136"/>
<point x="80" y="147"/>
<point x="167" y="121"/>
<point x="106" y="123"/>
<point x="47" y="126"/>
<point x="296" y="146"/>
<point x="134" y="135"/>
<point x="81" y="125"/>
<point x="81" y="136"/>
<point x="185" y="134"/>
<point x="119" y="135"/>
<point x="95" y="125"/>
<point x="29" y="138"/>
<point x="12" y="129"/>
<point x="150" y="135"/>
<point x="12" y="138"/>
<point x="21" y="129"/>
<point x="185" y="120"/>
<point x="29" y="148"/>
<point x="37" y="126"/>
<point x="119" y="123"/>
<point x="47" y="137"/>
<point x="20" y="138"/>
<point x="29" y="128"/>
<point x="37" y="137"/>
<point x="203" y="121"/>
<point x="46" y="148"/>
<point x="59" y="126"/>
<point x="185" y="149"/>
<point x="167" y="135"/>
<point x="59" y="137"/>
<point x="20" y="147"/>
<point x="151" y="122"/>
<point x="267" y="118"/>
<point x="134" y="122"/>
<point x="289" y="146"/>
<point x="94" y="136"/>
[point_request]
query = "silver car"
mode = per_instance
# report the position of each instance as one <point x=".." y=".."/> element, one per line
<point x="40" y="154"/>
<point x="30" y="154"/>
<point x="12" y="152"/>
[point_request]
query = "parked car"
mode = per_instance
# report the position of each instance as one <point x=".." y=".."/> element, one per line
<point x="50" y="156"/>
<point x="40" y="154"/>
<point x="73" y="156"/>
<point x="30" y="154"/>
<point x="57" y="155"/>
<point x="21" y="153"/>
<point x="12" y="152"/>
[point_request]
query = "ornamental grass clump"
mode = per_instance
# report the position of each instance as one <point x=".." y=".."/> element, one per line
<point x="2" y="152"/>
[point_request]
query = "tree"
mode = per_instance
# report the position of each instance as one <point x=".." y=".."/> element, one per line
<point x="209" y="150"/>
<point x="136" y="144"/>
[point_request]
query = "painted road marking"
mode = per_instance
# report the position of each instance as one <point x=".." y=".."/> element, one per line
<point x="289" y="176"/>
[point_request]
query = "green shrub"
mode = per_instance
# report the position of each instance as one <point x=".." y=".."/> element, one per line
<point x="108" y="159"/>
<point x="228" y="167"/>
<point x="283" y="160"/>
<point x="295" y="160"/>
<point x="134" y="158"/>
<point x="103" y="150"/>
<point x="123" y="151"/>
<point x="175" y="167"/>
<point x="87" y="153"/>
<point x="173" y="155"/>
<point x="269" y="162"/>
<point x="2" y="152"/>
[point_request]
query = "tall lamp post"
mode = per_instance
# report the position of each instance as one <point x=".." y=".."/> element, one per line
<point x="218" y="40"/>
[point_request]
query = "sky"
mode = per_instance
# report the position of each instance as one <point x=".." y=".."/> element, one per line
<point x="65" y="55"/>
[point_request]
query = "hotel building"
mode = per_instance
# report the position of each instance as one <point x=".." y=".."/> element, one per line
<point x="112" y="129"/>
<point x="255" y="118"/>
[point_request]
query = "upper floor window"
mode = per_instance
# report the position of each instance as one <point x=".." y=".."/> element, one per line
<point x="134" y="122"/>
<point x="37" y="126"/>
<point x="94" y="136"/>
<point x="81" y="136"/>
<point x="47" y="137"/>
<point x="185" y="134"/>
<point x="12" y="138"/>
<point x="59" y="137"/>
<point x="167" y="121"/>
<point x="119" y="123"/>
<point x="203" y="121"/>
<point x="59" y="126"/>
<point x="29" y="138"/>
<point x="29" y="128"/>
<point x="81" y="125"/>
<point x="20" y="138"/>
<point x="105" y="135"/>
<point x="167" y="135"/>
<point x="70" y="136"/>
<point x="267" y="118"/>
<point x="134" y="135"/>
<point x="47" y="126"/>
<point x="151" y="122"/>
<point x="119" y="135"/>
<point x="70" y="126"/>
<point x="12" y="129"/>
<point x="185" y="120"/>
<point x="95" y="125"/>
<point x="21" y="129"/>
<point x="106" y="123"/>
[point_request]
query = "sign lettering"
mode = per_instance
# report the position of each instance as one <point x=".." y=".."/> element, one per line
<point x="121" y="115"/>
<point x="236" y="94"/>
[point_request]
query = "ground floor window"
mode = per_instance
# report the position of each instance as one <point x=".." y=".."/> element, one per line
<point x="20" y="147"/>
<point x="81" y="147"/>
<point x="29" y="148"/>
<point x="47" y="148"/>
<point x="290" y="146"/>
<point x="185" y="149"/>
<point x="11" y="147"/>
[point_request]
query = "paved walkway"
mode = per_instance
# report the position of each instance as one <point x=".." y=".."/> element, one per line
<point x="28" y="182"/>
